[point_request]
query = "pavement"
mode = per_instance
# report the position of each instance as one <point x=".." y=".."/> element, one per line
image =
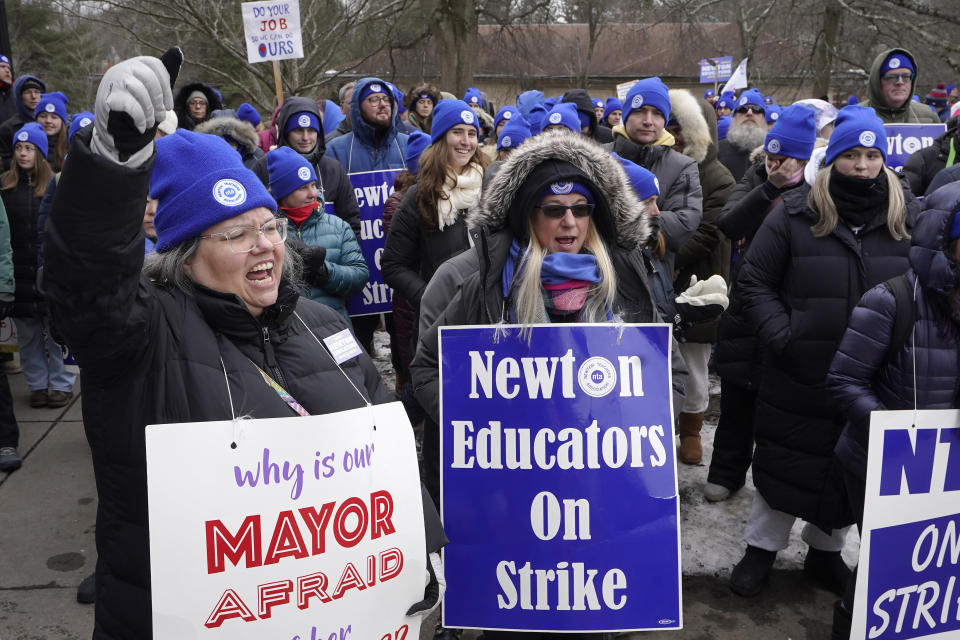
<point x="48" y="511"/>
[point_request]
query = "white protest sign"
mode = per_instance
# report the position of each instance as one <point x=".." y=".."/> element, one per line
<point x="907" y="581"/>
<point x="272" y="30"/>
<point x="300" y="532"/>
<point x="623" y="88"/>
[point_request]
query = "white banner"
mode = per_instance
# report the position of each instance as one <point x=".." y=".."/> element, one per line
<point x="623" y="88"/>
<point x="739" y="78"/>
<point x="272" y="30"/>
<point x="303" y="530"/>
<point x="910" y="546"/>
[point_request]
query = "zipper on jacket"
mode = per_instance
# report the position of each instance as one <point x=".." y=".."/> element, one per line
<point x="271" y="359"/>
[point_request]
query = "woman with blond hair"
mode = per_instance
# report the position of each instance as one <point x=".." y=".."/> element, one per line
<point x="813" y="257"/>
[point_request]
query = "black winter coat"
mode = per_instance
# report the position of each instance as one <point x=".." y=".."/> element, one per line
<point x="20" y="117"/>
<point x="734" y="158"/>
<point x="865" y="376"/>
<point x="923" y="165"/>
<point x="152" y="354"/>
<point x="798" y="292"/>
<point x="23" y="212"/>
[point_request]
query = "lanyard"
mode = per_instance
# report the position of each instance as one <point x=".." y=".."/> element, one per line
<point x="283" y="393"/>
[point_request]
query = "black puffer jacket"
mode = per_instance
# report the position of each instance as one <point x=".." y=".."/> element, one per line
<point x="923" y="165"/>
<point x="152" y="354"/>
<point x="798" y="292"/>
<point x="23" y="212"/>
<point x="333" y="181"/>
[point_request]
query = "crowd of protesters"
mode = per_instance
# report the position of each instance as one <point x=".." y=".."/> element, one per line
<point x="768" y="236"/>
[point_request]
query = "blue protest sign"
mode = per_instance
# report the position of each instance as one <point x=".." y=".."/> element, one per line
<point x="559" y="487"/>
<point x="907" y="582"/>
<point x="716" y="69"/>
<point x="372" y="189"/>
<point x="904" y="139"/>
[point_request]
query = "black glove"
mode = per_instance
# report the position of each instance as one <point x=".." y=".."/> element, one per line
<point x="315" y="271"/>
<point x="703" y="301"/>
<point x="433" y="591"/>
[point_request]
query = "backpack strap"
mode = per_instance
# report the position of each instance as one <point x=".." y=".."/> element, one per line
<point x="904" y="318"/>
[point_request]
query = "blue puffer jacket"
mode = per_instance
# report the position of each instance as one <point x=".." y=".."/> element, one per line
<point x="864" y="377"/>
<point x="360" y="150"/>
<point x="345" y="264"/>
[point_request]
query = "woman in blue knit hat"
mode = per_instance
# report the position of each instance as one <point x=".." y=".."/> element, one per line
<point x="51" y="113"/>
<point x="812" y="259"/>
<point x="22" y="189"/>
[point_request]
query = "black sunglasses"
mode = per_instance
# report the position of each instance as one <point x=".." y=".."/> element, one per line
<point x="557" y="211"/>
<point x="757" y="110"/>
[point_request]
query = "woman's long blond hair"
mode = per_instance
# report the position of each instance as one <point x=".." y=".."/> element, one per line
<point x="528" y="299"/>
<point x="819" y="200"/>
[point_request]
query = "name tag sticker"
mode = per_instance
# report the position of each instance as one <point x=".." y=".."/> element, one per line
<point x="342" y="346"/>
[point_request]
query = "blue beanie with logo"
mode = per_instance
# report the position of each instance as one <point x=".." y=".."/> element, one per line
<point x="473" y="96"/>
<point x="644" y="183"/>
<point x="772" y="113"/>
<point x="794" y="133"/>
<point x="709" y="93"/>
<point x="727" y="100"/>
<point x="302" y="120"/>
<point x="896" y="61"/>
<point x="33" y="133"/>
<point x="751" y="98"/>
<point x="374" y="86"/>
<point x="79" y="121"/>
<point x="288" y="171"/>
<point x="55" y="103"/>
<point x="598" y="104"/>
<point x="416" y="143"/>
<point x="856" y="126"/>
<point x="513" y="133"/>
<point x="200" y="181"/>
<point x="505" y="113"/>
<point x="448" y="114"/>
<point x="768" y="100"/>
<point x="246" y="112"/>
<point x="564" y="115"/>
<point x="648" y="92"/>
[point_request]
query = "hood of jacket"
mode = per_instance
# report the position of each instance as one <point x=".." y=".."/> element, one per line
<point x="930" y="240"/>
<point x="18" y="89"/>
<point x="584" y="103"/>
<point x="874" y="90"/>
<point x="241" y="131"/>
<point x="699" y="133"/>
<point x="629" y="215"/>
<point x="180" y="101"/>
<point x="294" y="105"/>
<point x="362" y="129"/>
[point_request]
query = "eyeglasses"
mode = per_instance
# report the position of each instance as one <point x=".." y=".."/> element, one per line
<point x="196" y="102"/>
<point x="558" y="211"/>
<point x="750" y="108"/>
<point x="245" y="239"/>
<point x="375" y="100"/>
<point x="894" y="78"/>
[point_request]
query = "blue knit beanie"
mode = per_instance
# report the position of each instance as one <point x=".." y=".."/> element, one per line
<point x="288" y="171"/>
<point x="613" y="104"/>
<point x="246" y="112"/>
<point x="33" y="133"/>
<point x="536" y="118"/>
<point x="768" y="100"/>
<point x="856" y="126"/>
<point x="648" y="92"/>
<point x="772" y="113"/>
<point x="750" y="97"/>
<point x="550" y="102"/>
<point x="473" y="96"/>
<point x="598" y="104"/>
<point x="726" y="101"/>
<point x="794" y="133"/>
<point x="4" y="58"/>
<point x="723" y="125"/>
<point x="644" y="183"/>
<point x="448" y="114"/>
<point x="513" y="133"/>
<point x="79" y="121"/>
<point x="564" y="115"/>
<point x="375" y="86"/>
<point x="398" y="96"/>
<point x="563" y="188"/>
<point x="853" y="100"/>
<point x="505" y="113"/>
<point x="200" y="180"/>
<point x="55" y="103"/>
<point x="709" y="93"/>
<point x="302" y="120"/>
<point x="416" y="143"/>
<point x="896" y="61"/>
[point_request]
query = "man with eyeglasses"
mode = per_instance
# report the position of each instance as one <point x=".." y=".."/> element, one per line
<point x="374" y="142"/>
<point x="747" y="132"/>
<point x="893" y="76"/>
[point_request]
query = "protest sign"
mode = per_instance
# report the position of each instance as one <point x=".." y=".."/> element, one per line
<point x="372" y="189"/>
<point x="623" y="88"/>
<point x="907" y="581"/>
<point x="559" y="487"/>
<point x="904" y="139"/>
<point x="715" y="69"/>
<point x="301" y="531"/>
<point x="271" y="30"/>
<point x="738" y="80"/>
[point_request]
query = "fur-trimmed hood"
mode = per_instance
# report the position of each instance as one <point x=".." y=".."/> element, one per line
<point x="700" y="142"/>
<point x="629" y="215"/>
<point x="241" y="131"/>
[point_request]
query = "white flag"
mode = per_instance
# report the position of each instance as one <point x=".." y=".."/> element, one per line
<point x="739" y="78"/>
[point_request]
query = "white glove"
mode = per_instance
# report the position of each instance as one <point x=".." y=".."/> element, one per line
<point x="704" y="300"/>
<point x="434" y="587"/>
<point x="133" y="98"/>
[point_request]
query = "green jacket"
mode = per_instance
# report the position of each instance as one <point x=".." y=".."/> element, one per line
<point x="911" y="112"/>
<point x="6" y="256"/>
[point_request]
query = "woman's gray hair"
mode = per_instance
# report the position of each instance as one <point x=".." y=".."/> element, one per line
<point x="169" y="268"/>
